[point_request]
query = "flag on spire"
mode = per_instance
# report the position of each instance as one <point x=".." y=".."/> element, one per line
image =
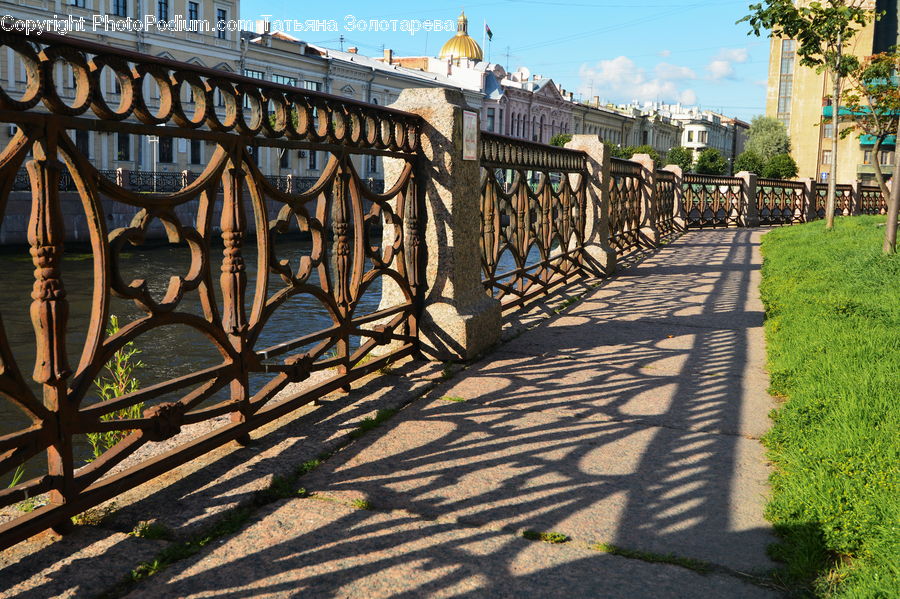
<point x="488" y="32"/>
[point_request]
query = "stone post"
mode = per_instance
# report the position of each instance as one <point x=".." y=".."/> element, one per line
<point x="680" y="214"/>
<point x="809" y="200"/>
<point x="749" y="216"/>
<point x="649" y="208"/>
<point x="600" y="258"/>
<point x="855" y="198"/>
<point x="459" y="319"/>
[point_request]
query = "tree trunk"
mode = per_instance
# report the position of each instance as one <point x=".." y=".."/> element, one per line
<point x="876" y="166"/>
<point x="835" y="117"/>
<point x="890" y="231"/>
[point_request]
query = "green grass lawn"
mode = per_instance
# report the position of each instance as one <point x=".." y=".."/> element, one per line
<point x="833" y="336"/>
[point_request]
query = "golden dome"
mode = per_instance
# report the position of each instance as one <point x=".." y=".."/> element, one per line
<point x="461" y="45"/>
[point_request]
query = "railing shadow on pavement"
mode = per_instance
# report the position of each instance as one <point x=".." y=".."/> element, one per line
<point x="623" y="423"/>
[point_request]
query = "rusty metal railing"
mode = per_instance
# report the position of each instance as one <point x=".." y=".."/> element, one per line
<point x="712" y="201"/>
<point x="871" y="200"/>
<point x="665" y="202"/>
<point x="843" y="199"/>
<point x="344" y="265"/>
<point x="532" y="209"/>
<point x="625" y="183"/>
<point x="780" y="202"/>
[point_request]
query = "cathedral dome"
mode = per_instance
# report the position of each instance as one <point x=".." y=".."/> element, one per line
<point x="461" y="45"/>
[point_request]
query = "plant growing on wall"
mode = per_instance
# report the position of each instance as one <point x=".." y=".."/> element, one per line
<point x="121" y="381"/>
<point x="873" y="107"/>
<point x="822" y="31"/>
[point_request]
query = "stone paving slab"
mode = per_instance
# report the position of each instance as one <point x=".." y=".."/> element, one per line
<point x="82" y="565"/>
<point x="659" y="489"/>
<point x="312" y="548"/>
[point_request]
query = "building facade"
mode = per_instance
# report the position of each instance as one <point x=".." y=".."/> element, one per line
<point x="799" y="97"/>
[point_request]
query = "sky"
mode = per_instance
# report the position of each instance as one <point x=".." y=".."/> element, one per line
<point x="620" y="50"/>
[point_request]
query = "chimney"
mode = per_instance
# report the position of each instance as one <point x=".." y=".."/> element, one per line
<point x="596" y="101"/>
<point x="388" y="56"/>
<point x="353" y="50"/>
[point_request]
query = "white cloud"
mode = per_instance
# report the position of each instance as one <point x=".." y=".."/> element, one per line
<point x="621" y="80"/>
<point x="665" y="53"/>
<point x="722" y="64"/>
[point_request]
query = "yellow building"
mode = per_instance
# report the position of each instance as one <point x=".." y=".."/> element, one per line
<point x="798" y="96"/>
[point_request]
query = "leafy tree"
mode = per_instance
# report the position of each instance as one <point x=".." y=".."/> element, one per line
<point x="617" y="151"/>
<point x="873" y="104"/>
<point x="749" y="161"/>
<point x="781" y="166"/>
<point x="767" y="138"/>
<point x="645" y="149"/>
<point x="822" y="30"/>
<point x="560" y="139"/>
<point x="680" y="156"/>
<point x="711" y="162"/>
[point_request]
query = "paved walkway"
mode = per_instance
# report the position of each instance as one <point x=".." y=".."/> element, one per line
<point x="631" y="420"/>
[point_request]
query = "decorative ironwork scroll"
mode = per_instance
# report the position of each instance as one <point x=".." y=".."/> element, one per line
<point x="779" y="202"/>
<point x="238" y="278"/>
<point x="711" y="201"/>
<point x="532" y="209"/>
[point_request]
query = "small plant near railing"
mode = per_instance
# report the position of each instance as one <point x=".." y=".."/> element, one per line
<point x="121" y="381"/>
<point x="17" y="476"/>
<point x="554" y="538"/>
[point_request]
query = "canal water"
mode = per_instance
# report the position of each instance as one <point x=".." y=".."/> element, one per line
<point x="166" y="352"/>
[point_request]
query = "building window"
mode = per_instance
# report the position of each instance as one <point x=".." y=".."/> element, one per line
<point x="886" y="157"/>
<point x="196" y="151"/>
<point x="123" y="146"/>
<point x="312" y="165"/>
<point x="315" y="86"/>
<point x="826" y="157"/>
<point x="254" y="74"/>
<point x="120" y="8"/>
<point x="83" y="143"/>
<point x="490" y="119"/>
<point x="828" y="130"/>
<point x="77" y="3"/>
<point x="165" y="150"/>
<point x="703" y="136"/>
<point x="221" y="18"/>
<point x="284" y="159"/>
<point x="500" y="124"/>
<point x="162" y="10"/>
<point x="284" y="80"/>
<point x="867" y="157"/>
<point x="690" y="136"/>
<point x="786" y="80"/>
<point x="193" y="11"/>
<point x="373" y="163"/>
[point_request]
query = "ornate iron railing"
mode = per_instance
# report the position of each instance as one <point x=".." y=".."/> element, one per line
<point x="780" y="202"/>
<point x="711" y="201"/>
<point x="344" y="265"/>
<point x="665" y="201"/>
<point x="843" y="199"/>
<point x="871" y="200"/>
<point x="532" y="235"/>
<point x="625" y="183"/>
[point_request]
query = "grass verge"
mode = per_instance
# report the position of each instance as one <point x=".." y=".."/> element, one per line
<point x="833" y="339"/>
